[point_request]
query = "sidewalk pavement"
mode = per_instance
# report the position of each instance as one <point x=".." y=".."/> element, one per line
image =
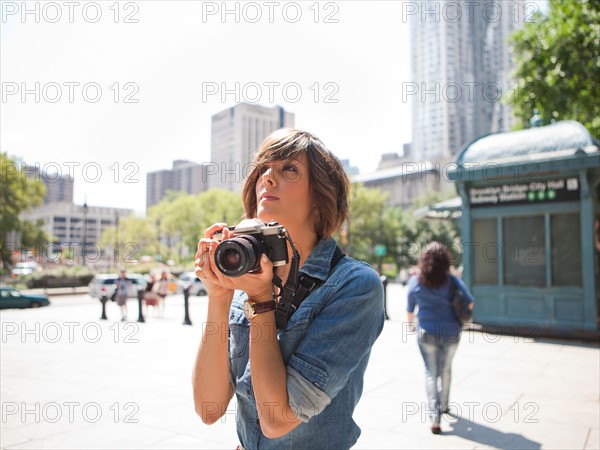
<point x="69" y="380"/>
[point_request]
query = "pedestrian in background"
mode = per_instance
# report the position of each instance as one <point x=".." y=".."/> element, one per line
<point x="431" y="292"/>
<point x="162" y="290"/>
<point x="122" y="293"/>
<point x="150" y="298"/>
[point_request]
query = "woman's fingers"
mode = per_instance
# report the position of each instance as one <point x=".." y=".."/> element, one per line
<point x="205" y="273"/>
<point x="214" y="228"/>
<point x="206" y="270"/>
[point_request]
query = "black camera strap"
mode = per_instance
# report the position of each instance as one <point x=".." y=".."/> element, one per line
<point x="297" y="288"/>
<point x="286" y="292"/>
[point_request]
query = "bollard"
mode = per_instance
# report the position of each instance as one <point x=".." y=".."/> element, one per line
<point x="186" y="296"/>
<point x="384" y="281"/>
<point x="103" y="300"/>
<point x="140" y="295"/>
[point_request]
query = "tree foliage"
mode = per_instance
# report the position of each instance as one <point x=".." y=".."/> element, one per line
<point x="18" y="193"/>
<point x="172" y="228"/>
<point x="131" y="238"/>
<point x="33" y="234"/>
<point x="183" y="218"/>
<point x="557" y="60"/>
<point x="372" y="222"/>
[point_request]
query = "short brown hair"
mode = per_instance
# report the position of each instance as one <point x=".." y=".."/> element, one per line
<point x="328" y="182"/>
<point x="434" y="265"/>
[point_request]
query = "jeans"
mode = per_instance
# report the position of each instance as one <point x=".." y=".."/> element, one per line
<point x="437" y="353"/>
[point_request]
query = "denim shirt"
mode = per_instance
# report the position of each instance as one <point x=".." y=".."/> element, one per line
<point x="435" y="314"/>
<point x="325" y="346"/>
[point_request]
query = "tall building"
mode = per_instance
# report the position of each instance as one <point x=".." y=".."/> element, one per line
<point x="185" y="176"/>
<point x="236" y="133"/>
<point x="406" y="181"/>
<point x="71" y="226"/>
<point x="349" y="169"/>
<point x="59" y="187"/>
<point x="460" y="69"/>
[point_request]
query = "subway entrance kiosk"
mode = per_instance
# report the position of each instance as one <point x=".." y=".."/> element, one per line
<point x="531" y="230"/>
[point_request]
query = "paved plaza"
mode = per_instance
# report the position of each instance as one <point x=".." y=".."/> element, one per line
<point x="71" y="381"/>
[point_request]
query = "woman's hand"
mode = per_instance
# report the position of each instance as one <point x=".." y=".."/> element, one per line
<point x="204" y="263"/>
<point x="258" y="285"/>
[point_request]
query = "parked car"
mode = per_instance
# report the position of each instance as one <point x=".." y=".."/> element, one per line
<point x="25" y="268"/>
<point x="190" y="279"/>
<point x="11" y="298"/>
<point x="106" y="285"/>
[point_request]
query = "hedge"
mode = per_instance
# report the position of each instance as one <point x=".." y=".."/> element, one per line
<point x="52" y="281"/>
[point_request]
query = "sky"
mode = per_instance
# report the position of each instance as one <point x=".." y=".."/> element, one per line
<point x="109" y="91"/>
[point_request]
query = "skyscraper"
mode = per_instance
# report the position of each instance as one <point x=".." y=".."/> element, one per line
<point x="157" y="184"/>
<point x="59" y="186"/>
<point x="236" y="133"/>
<point x="185" y="176"/>
<point x="460" y="69"/>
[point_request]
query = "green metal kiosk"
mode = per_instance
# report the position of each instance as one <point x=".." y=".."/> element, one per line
<point x="530" y="229"/>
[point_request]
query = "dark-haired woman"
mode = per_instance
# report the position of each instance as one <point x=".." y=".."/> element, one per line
<point x="431" y="291"/>
<point x="297" y="385"/>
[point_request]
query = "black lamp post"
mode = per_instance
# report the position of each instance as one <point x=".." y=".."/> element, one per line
<point x="140" y="296"/>
<point x="186" y="305"/>
<point x="158" y="239"/>
<point x="116" y="247"/>
<point x="84" y="250"/>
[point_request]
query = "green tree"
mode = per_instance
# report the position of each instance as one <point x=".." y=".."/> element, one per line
<point x="18" y="193"/>
<point x="33" y="234"/>
<point x="183" y="218"/>
<point x="136" y="236"/>
<point x="371" y="223"/>
<point x="557" y="65"/>
<point x="417" y="232"/>
<point x="430" y="198"/>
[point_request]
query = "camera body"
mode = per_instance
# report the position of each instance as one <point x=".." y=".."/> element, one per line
<point x="241" y="254"/>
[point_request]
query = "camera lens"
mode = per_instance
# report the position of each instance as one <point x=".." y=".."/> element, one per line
<point x="239" y="255"/>
<point x="231" y="259"/>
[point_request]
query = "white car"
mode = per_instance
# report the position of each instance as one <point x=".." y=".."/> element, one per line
<point x="190" y="279"/>
<point x="106" y="285"/>
<point x="25" y="268"/>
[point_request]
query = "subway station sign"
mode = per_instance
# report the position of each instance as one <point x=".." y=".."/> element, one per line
<point x="543" y="191"/>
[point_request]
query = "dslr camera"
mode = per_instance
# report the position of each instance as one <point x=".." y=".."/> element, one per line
<point x="241" y="254"/>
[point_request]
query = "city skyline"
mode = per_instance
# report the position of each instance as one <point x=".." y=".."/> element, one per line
<point x="469" y="64"/>
<point x="343" y="86"/>
<point x="236" y="133"/>
<point x="110" y="92"/>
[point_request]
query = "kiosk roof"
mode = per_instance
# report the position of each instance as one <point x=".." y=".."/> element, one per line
<point x="557" y="140"/>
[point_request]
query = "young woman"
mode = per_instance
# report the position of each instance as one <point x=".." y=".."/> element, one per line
<point x="296" y="387"/>
<point x="122" y="293"/>
<point x="431" y="292"/>
<point x="161" y="287"/>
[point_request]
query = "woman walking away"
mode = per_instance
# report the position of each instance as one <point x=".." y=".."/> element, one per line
<point x="431" y="291"/>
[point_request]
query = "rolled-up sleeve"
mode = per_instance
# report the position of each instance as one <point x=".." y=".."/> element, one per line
<point x="337" y="341"/>
<point x="308" y="400"/>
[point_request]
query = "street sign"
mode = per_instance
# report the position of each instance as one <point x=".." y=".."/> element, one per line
<point x="379" y="250"/>
<point x="558" y="190"/>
